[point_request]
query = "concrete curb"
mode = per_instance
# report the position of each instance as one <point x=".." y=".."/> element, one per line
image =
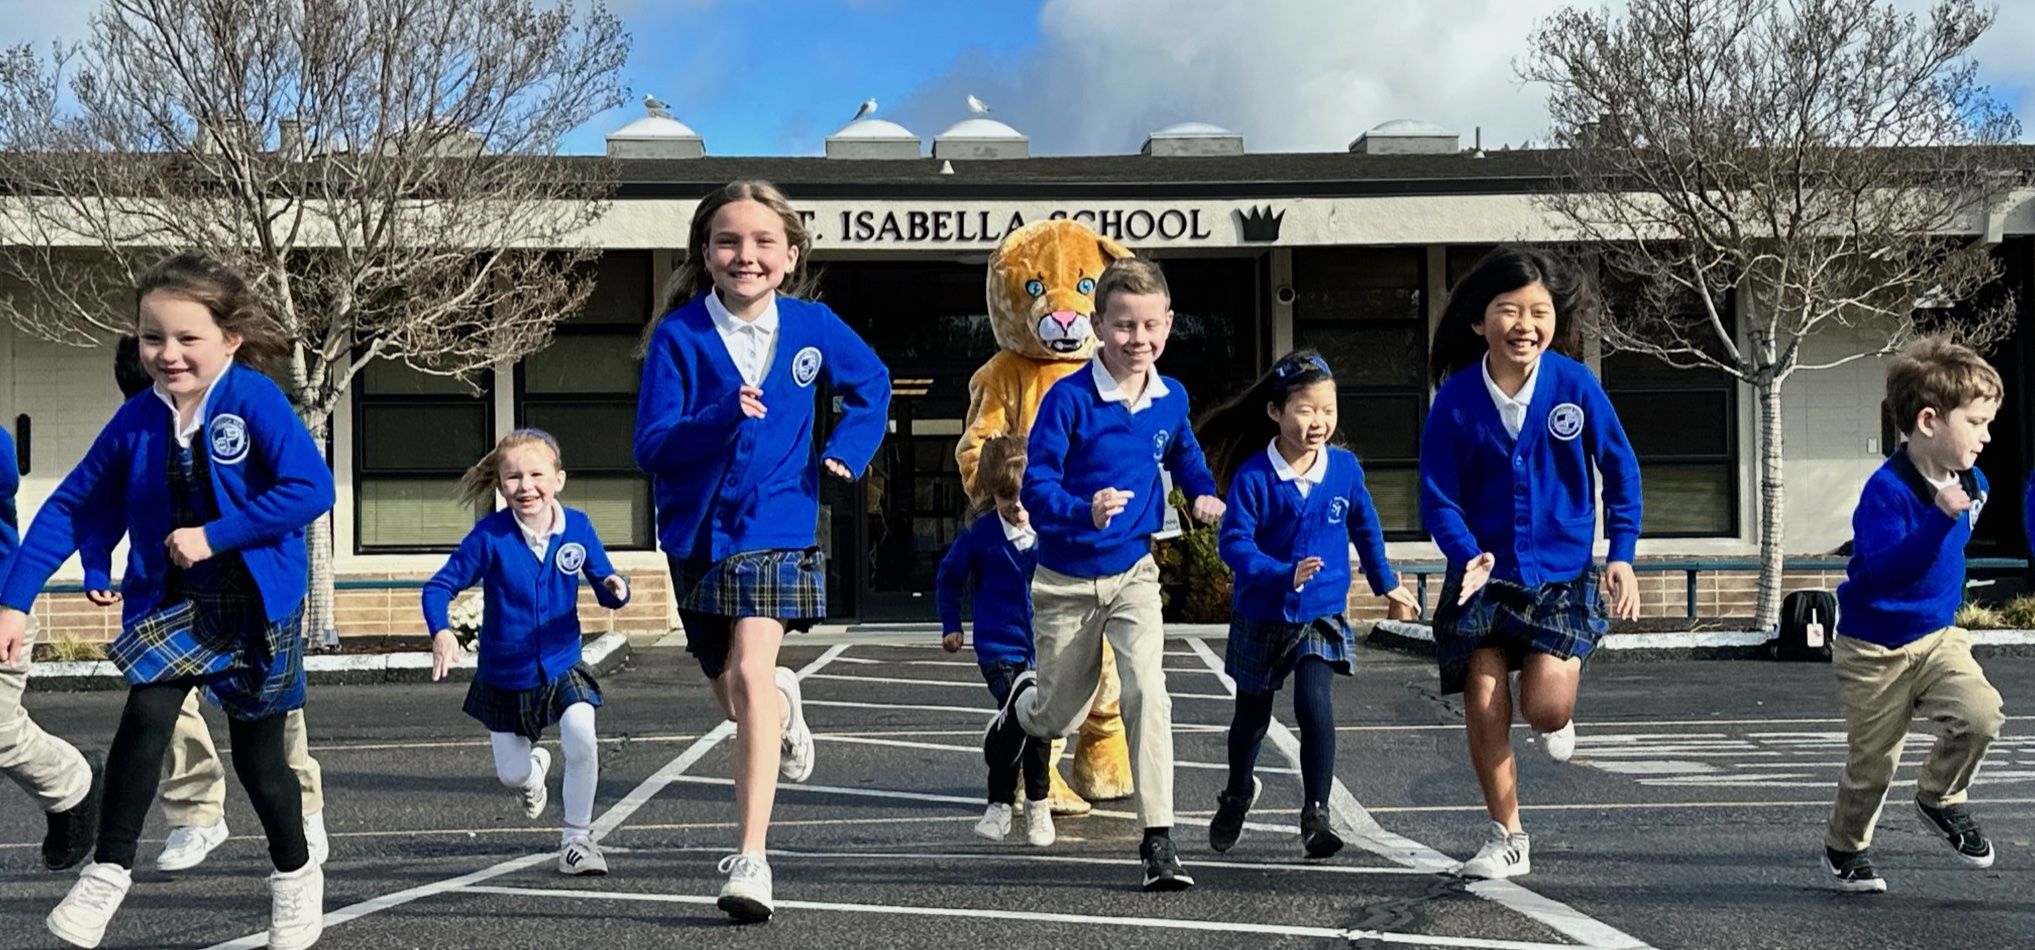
<point x="604" y="654"/>
<point x="1418" y="638"/>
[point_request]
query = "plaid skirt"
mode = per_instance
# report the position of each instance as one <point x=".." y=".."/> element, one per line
<point x="249" y="667"/>
<point x="1261" y="653"/>
<point x="780" y="584"/>
<point x="528" y="712"/>
<point x="1562" y="620"/>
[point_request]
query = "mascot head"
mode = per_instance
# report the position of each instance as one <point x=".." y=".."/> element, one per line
<point x="1042" y="289"/>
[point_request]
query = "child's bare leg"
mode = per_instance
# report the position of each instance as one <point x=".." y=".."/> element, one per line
<point x="1487" y="719"/>
<point x="750" y="686"/>
<point x="1547" y="690"/>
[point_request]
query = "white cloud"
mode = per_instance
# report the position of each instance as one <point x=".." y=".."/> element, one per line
<point x="1295" y="74"/>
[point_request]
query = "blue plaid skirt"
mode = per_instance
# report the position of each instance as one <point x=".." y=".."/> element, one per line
<point x="1562" y="620"/>
<point x="249" y="667"/>
<point x="528" y="712"/>
<point x="1261" y="653"/>
<point x="781" y="584"/>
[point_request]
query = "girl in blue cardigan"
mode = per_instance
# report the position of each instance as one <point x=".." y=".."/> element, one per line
<point x="528" y="559"/>
<point x="1297" y="510"/>
<point x="732" y="381"/>
<point x="212" y="478"/>
<point x="1508" y="492"/>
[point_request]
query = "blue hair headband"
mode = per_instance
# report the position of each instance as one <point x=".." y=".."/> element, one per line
<point x="1294" y="366"/>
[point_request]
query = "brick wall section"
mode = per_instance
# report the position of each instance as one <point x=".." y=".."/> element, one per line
<point x="1661" y="593"/>
<point x="376" y="612"/>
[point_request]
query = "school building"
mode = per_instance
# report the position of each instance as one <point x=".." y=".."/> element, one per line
<point x="1350" y="252"/>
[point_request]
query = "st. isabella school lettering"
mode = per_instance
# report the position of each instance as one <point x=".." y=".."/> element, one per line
<point x="966" y="226"/>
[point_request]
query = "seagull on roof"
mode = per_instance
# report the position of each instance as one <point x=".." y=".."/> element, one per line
<point x="657" y="107"/>
<point x="977" y="106"/>
<point x="868" y="109"/>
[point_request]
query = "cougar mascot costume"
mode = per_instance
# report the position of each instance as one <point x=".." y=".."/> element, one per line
<point x="1041" y="305"/>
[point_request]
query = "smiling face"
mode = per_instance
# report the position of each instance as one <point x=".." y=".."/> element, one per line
<point x="1307" y="419"/>
<point x="748" y="255"/>
<point x="182" y="346"/>
<point x="1134" y="331"/>
<point x="529" y="479"/>
<point x="1518" y="326"/>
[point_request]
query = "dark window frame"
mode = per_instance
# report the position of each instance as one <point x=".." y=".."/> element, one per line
<point x="364" y="400"/>
<point x="1669" y="382"/>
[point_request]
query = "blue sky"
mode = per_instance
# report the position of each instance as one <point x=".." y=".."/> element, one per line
<point x="774" y="77"/>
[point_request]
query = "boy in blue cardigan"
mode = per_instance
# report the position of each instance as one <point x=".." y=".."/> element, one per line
<point x="1897" y="654"/>
<point x="1001" y="552"/>
<point x="1094" y="489"/>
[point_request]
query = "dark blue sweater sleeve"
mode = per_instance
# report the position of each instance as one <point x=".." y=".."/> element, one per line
<point x="952" y="580"/>
<point x="89" y="502"/>
<point x="674" y="425"/>
<point x="1618" y="466"/>
<point x="862" y="383"/>
<point x="1369" y="536"/>
<point x="1053" y="508"/>
<point x="1893" y="550"/>
<point x="598" y="569"/>
<point x="461" y="571"/>
<point x="10" y="484"/>
<point x="2028" y="513"/>
<point x="303" y="482"/>
<point x="95" y="554"/>
<point x="1441" y="504"/>
<point x="1238" y="542"/>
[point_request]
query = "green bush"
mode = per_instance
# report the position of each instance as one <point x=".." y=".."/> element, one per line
<point x="1192" y="575"/>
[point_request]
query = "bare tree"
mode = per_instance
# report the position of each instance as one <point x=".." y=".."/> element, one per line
<point x="383" y="170"/>
<point x="1833" y="162"/>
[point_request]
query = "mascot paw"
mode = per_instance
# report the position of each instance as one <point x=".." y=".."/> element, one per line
<point x="1062" y="800"/>
<point x="1102" y="768"/>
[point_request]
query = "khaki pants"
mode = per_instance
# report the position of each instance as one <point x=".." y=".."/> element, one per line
<point x="49" y="769"/>
<point x="194" y="780"/>
<point x="1071" y="618"/>
<point x="1881" y="690"/>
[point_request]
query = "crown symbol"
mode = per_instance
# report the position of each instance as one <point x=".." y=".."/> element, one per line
<point x="1260" y="224"/>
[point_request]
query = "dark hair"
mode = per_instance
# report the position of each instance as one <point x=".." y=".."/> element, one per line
<point x="1457" y="346"/>
<point x="1229" y="433"/>
<point x="999" y="470"/>
<point x="128" y="373"/>
<point x="202" y="280"/>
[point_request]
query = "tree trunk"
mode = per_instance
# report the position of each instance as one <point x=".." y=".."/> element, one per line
<point x="1772" y="503"/>
<point x="320" y="629"/>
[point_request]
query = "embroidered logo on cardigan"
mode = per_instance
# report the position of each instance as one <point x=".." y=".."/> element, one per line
<point x="1565" y="422"/>
<point x="1338" y="509"/>
<point x="571" y="557"/>
<point x="805" y="367"/>
<point x="229" y="438"/>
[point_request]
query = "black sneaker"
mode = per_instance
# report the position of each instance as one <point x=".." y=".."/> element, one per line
<point x="1228" y="824"/>
<point x="1317" y="836"/>
<point x="1162" y="865"/>
<point x="73" y="832"/>
<point x="1957" y="826"/>
<point x="1003" y="741"/>
<point x="1854" y="871"/>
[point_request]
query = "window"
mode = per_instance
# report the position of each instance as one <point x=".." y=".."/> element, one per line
<point x="414" y="435"/>
<point x="582" y="390"/>
<point x="1683" y="424"/>
<point x="1363" y="308"/>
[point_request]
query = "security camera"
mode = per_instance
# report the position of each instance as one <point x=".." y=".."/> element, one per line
<point x="1284" y="295"/>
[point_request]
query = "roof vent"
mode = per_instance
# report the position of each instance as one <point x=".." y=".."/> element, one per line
<point x="981" y="138"/>
<point x="873" y="138"/>
<point x="1194" y="138"/>
<point x="656" y="135"/>
<point x="1407" y="137"/>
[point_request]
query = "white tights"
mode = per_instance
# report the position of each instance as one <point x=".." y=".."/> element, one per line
<point x="582" y="765"/>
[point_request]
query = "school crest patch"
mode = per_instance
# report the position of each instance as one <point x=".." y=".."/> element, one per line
<point x="1159" y="445"/>
<point x="1565" y="422"/>
<point x="1338" y="509"/>
<point x="228" y="436"/>
<point x="805" y="367"/>
<point x="571" y="557"/>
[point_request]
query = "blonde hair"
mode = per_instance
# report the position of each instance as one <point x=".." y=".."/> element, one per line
<point x="1935" y="373"/>
<point x="485" y="477"/>
<point x="1130" y="275"/>
<point x="999" y="470"/>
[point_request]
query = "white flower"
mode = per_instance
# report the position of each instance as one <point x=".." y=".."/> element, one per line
<point x="465" y="618"/>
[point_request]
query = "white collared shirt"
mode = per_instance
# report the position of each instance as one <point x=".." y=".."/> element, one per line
<point x="751" y="343"/>
<point x="540" y="541"/>
<point x="1105" y="384"/>
<point x="184" y="430"/>
<point x="1511" y="409"/>
<point x="1021" y="538"/>
<point x="1305" y="481"/>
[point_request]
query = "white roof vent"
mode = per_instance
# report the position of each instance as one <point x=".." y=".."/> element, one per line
<point x="873" y="138"/>
<point x="1194" y="138"/>
<point x="1407" y="137"/>
<point x="656" y="135"/>
<point x="981" y="138"/>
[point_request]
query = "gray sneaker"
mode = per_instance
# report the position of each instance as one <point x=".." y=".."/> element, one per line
<point x="580" y="855"/>
<point x="746" y="896"/>
<point x="795" y="760"/>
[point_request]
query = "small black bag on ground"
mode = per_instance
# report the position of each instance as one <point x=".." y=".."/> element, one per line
<point x="1808" y="621"/>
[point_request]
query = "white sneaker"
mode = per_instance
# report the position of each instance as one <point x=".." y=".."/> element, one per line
<point x="580" y="855"/>
<point x="1503" y="855"/>
<point x="1561" y="743"/>
<point x="1038" y="823"/>
<point x="296" y="907"/>
<point x="533" y="793"/>
<point x="995" y="822"/>
<point x="314" y="838"/>
<point x="746" y="896"/>
<point x="82" y="916"/>
<point x="795" y="763"/>
<point x="187" y="846"/>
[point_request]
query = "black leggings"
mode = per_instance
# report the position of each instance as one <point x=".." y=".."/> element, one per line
<point x="1312" y="709"/>
<point x="134" y="769"/>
